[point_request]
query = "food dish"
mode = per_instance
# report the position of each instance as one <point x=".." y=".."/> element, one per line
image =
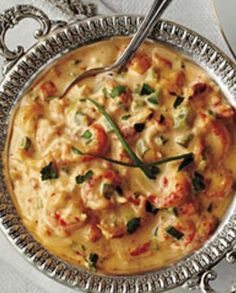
<point x="112" y="218"/>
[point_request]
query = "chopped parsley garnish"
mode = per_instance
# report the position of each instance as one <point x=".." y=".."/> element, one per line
<point x="178" y="101"/>
<point x="125" y="117"/>
<point x="150" y="208"/>
<point x="210" y="208"/>
<point x="76" y="151"/>
<point x="146" y="90"/>
<point x="133" y="225"/>
<point x="162" y="119"/>
<point x="105" y="92"/>
<point x="172" y="231"/>
<point x="26" y="143"/>
<point x="82" y="178"/>
<point x="92" y="260"/>
<point x="77" y="61"/>
<point x="119" y="190"/>
<point x="87" y="134"/>
<point x="49" y="172"/>
<point x="161" y="140"/>
<point x="198" y="182"/>
<point x="108" y="190"/>
<point x="139" y="127"/>
<point x="153" y="100"/>
<point x="118" y="90"/>
<point x="187" y="161"/>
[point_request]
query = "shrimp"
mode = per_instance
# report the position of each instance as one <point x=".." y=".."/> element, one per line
<point x="93" y="193"/>
<point x="219" y="181"/>
<point x="177" y="194"/>
<point x="48" y="89"/>
<point x="64" y="215"/>
<point x="218" y="139"/>
<point x="140" y="63"/>
<point x="99" y="141"/>
<point x="207" y="227"/>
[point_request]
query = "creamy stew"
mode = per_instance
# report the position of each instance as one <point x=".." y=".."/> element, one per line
<point x="85" y="173"/>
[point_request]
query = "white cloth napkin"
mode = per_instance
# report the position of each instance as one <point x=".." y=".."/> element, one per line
<point x="16" y="274"/>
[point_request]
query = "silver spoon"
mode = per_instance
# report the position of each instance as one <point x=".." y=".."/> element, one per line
<point x="157" y="9"/>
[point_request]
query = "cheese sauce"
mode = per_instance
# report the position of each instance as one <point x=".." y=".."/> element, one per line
<point x="130" y="215"/>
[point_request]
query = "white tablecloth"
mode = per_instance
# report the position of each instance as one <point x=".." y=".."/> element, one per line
<point x="16" y="274"/>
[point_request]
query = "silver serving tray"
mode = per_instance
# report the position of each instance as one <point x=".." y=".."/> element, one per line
<point x="54" y="40"/>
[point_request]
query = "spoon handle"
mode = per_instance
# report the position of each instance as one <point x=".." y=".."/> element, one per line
<point x="158" y="7"/>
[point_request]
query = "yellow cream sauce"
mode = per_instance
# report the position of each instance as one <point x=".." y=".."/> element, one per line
<point x="113" y="218"/>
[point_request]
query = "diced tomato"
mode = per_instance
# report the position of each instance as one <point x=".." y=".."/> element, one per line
<point x="140" y="63"/>
<point x="48" y="89"/>
<point x="140" y="249"/>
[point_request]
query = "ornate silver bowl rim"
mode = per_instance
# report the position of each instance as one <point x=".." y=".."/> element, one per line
<point x="54" y="40"/>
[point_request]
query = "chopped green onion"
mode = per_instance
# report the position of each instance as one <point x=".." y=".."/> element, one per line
<point x="119" y="190"/>
<point x="150" y="208"/>
<point x="118" y="90"/>
<point x="178" y="101"/>
<point x="133" y="225"/>
<point x="26" y="143"/>
<point x="108" y="190"/>
<point x="161" y="140"/>
<point x="153" y="100"/>
<point x="82" y="178"/>
<point x="139" y="127"/>
<point x="49" y="172"/>
<point x="146" y="90"/>
<point x="187" y="161"/>
<point x="105" y="92"/>
<point x="76" y="151"/>
<point x="125" y="117"/>
<point x="92" y="260"/>
<point x="198" y="182"/>
<point x="210" y="208"/>
<point x="81" y="119"/>
<point x="87" y="134"/>
<point x="172" y="231"/>
<point x="184" y="140"/>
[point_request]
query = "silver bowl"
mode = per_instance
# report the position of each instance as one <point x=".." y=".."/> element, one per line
<point x="54" y="40"/>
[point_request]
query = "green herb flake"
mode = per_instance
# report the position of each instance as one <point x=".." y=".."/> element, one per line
<point x="125" y="117"/>
<point x="26" y="143"/>
<point x="139" y="127"/>
<point x="172" y="231"/>
<point x="49" y="172"/>
<point x="87" y="134"/>
<point x="184" y="140"/>
<point x="92" y="260"/>
<point x="198" y="182"/>
<point x="187" y="161"/>
<point x="133" y="225"/>
<point x="52" y="98"/>
<point x="82" y="178"/>
<point x="210" y="208"/>
<point x="105" y="92"/>
<point x="161" y="140"/>
<point x="76" y="151"/>
<point x="178" y="101"/>
<point x="150" y="208"/>
<point x="119" y="190"/>
<point x="81" y="119"/>
<point x="146" y="90"/>
<point x="108" y="190"/>
<point x="153" y="100"/>
<point x="155" y="231"/>
<point x="77" y="61"/>
<point x="117" y="91"/>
